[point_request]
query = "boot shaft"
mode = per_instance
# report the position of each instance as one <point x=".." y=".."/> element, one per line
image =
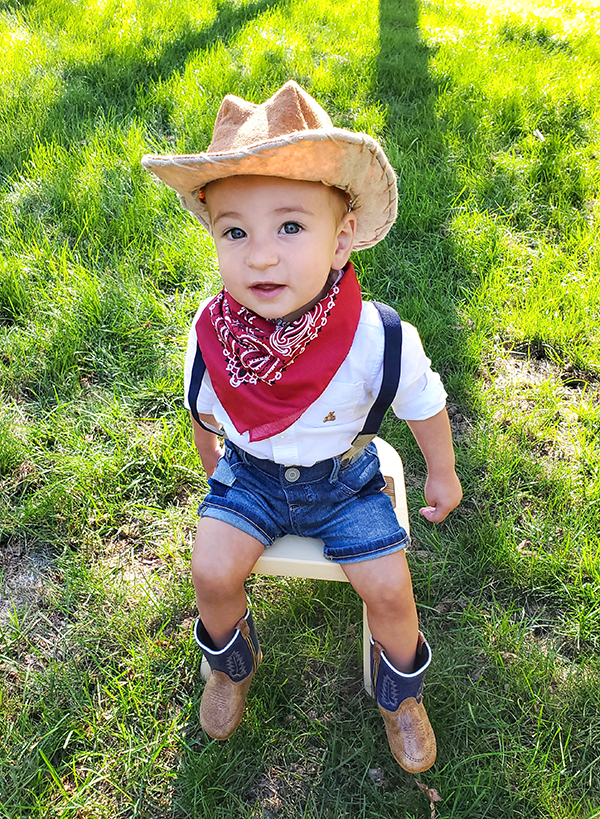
<point x="240" y="657"/>
<point x="391" y="686"/>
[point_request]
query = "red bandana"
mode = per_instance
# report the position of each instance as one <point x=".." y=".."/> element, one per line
<point x="267" y="374"/>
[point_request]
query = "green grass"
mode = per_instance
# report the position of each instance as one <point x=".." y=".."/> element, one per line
<point x="489" y="114"/>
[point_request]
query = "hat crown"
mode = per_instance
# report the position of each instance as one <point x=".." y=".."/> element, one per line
<point x="241" y="125"/>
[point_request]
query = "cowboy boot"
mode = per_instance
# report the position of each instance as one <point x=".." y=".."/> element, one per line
<point x="232" y="669"/>
<point x="399" y="697"/>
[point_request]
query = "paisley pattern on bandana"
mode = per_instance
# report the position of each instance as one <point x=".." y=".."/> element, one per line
<point x="267" y="373"/>
<point x="257" y="349"/>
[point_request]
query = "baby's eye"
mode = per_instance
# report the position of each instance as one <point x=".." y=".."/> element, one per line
<point x="235" y="233"/>
<point x="291" y="228"/>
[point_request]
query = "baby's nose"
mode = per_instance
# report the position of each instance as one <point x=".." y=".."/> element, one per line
<point x="261" y="255"/>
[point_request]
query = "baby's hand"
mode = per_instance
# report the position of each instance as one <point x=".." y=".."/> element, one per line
<point x="443" y="494"/>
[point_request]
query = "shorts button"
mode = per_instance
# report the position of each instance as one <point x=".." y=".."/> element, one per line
<point x="292" y="474"/>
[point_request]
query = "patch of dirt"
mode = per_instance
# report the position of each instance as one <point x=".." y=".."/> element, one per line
<point x="459" y="424"/>
<point x="522" y="398"/>
<point x="279" y="792"/>
<point x="450" y="604"/>
<point x="184" y="496"/>
<point x="531" y="366"/>
<point x="377" y="777"/>
<point x="413" y="480"/>
<point x="24" y="573"/>
<point x="519" y="369"/>
<point x="134" y="557"/>
<point x="24" y="478"/>
<point x="318" y="671"/>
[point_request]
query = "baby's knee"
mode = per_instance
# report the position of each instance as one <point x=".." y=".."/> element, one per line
<point x="216" y="573"/>
<point x="392" y="596"/>
<point x="210" y="575"/>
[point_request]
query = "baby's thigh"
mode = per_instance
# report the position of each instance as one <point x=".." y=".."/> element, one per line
<point x="223" y="553"/>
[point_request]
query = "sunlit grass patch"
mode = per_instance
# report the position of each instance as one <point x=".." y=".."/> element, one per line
<point x="546" y="292"/>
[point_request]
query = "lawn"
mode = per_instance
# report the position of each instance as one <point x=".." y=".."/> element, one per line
<point x="490" y="114"/>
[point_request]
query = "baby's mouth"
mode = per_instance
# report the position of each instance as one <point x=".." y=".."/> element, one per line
<point x="267" y="287"/>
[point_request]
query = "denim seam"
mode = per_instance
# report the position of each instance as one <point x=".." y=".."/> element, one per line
<point x="283" y="484"/>
<point x="336" y="468"/>
<point x="372" y="552"/>
<point x="352" y="492"/>
<point x="300" y="482"/>
<point x="239" y="515"/>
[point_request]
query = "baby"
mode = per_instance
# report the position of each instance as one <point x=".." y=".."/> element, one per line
<point x="286" y="363"/>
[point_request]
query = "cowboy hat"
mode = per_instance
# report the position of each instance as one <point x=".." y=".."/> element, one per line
<point x="289" y="136"/>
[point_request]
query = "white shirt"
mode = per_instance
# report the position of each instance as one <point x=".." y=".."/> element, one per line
<point x="328" y="427"/>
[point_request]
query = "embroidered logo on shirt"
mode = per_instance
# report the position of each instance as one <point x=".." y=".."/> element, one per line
<point x="330" y="417"/>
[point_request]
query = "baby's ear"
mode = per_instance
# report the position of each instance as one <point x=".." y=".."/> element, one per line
<point x="345" y="240"/>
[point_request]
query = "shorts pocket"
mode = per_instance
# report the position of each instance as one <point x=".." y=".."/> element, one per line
<point x="223" y="474"/>
<point x="363" y="476"/>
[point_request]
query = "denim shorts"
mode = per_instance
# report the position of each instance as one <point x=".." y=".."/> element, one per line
<point x="341" y="504"/>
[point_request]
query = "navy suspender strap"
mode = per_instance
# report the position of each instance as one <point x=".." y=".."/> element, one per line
<point x="392" y="355"/>
<point x="392" y="358"/>
<point x="198" y="370"/>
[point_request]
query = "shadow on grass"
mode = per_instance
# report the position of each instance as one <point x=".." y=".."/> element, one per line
<point x="15" y="5"/>
<point x="115" y="81"/>
<point x="420" y="273"/>
<point x="111" y="87"/>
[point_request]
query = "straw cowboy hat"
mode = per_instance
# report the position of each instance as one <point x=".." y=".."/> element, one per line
<point x="289" y="136"/>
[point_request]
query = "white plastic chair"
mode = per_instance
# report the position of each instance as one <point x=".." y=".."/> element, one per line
<point x="293" y="556"/>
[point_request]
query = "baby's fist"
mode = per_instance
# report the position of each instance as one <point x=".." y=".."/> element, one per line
<point x="443" y="495"/>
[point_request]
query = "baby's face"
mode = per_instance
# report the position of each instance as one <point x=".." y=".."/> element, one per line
<point x="277" y="241"/>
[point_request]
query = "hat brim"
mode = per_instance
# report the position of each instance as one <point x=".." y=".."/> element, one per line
<point x="353" y="162"/>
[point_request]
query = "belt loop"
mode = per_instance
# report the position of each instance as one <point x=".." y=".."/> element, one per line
<point x="337" y="463"/>
<point x="237" y="451"/>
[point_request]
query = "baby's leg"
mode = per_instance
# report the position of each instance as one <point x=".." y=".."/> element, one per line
<point x="399" y="657"/>
<point x="222" y="559"/>
<point x="385" y="586"/>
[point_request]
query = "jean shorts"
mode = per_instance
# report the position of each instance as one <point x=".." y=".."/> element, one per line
<point x="341" y="504"/>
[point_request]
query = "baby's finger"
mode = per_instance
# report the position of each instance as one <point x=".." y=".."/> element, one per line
<point x="434" y="514"/>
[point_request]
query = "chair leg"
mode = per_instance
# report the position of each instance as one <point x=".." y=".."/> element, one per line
<point x="367" y="654"/>
<point x="205" y="669"/>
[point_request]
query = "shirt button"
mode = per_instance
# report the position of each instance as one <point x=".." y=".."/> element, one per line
<point x="292" y="474"/>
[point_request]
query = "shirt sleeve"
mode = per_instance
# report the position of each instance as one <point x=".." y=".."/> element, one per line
<point x="206" y="397"/>
<point x="420" y="394"/>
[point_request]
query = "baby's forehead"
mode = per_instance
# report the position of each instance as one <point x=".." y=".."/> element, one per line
<point x="280" y="183"/>
<point x="283" y="189"/>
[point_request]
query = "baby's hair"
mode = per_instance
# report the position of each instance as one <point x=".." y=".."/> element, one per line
<point x="344" y="200"/>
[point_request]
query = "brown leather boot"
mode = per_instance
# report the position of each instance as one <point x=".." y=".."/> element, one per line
<point x="232" y="669"/>
<point x="400" y="700"/>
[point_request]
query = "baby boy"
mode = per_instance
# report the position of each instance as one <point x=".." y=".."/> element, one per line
<point x="286" y="363"/>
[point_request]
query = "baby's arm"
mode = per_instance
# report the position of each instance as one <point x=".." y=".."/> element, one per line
<point x="442" y="488"/>
<point x="207" y="444"/>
